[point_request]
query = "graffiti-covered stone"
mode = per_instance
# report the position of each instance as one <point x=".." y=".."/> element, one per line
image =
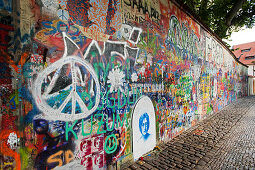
<point x="95" y="84"/>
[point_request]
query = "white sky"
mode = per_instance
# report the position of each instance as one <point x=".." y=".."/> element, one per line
<point x="243" y="36"/>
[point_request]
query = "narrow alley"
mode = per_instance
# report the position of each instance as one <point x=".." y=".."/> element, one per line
<point x="224" y="140"/>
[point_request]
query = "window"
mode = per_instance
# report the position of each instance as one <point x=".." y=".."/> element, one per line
<point x="249" y="57"/>
<point x="246" y="50"/>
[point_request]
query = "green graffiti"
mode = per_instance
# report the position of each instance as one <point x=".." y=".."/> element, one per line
<point x="139" y="92"/>
<point x="25" y="155"/>
<point x="112" y="98"/>
<point x="70" y="129"/>
<point x="174" y="31"/>
<point x="105" y="70"/>
<point x="149" y="41"/>
<point x="119" y="123"/>
<point x="116" y="120"/>
<point x="110" y="144"/>
<point x="185" y="36"/>
<point x="123" y="96"/>
<point x="107" y="121"/>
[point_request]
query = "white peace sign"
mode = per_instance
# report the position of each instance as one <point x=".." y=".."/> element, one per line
<point x="73" y="65"/>
<point x="57" y="113"/>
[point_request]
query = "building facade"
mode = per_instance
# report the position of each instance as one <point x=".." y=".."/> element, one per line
<point x="245" y="53"/>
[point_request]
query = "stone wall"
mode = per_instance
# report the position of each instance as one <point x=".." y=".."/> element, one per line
<point x="95" y="83"/>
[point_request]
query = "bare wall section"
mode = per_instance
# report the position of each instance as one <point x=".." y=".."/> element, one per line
<point x="91" y="84"/>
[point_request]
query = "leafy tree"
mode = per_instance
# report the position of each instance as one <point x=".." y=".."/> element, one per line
<point x="223" y="16"/>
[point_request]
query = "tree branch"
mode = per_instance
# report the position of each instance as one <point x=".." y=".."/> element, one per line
<point x="232" y="13"/>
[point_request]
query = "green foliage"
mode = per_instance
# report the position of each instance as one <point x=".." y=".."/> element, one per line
<point x="224" y="16"/>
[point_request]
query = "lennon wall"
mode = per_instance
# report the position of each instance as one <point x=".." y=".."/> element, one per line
<point x="96" y="83"/>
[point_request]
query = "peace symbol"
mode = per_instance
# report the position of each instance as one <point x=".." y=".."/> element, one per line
<point x="76" y="100"/>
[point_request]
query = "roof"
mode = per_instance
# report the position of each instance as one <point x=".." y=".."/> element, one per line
<point x="245" y="53"/>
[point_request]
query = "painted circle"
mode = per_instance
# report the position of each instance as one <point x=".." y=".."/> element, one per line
<point x="54" y="113"/>
<point x="109" y="140"/>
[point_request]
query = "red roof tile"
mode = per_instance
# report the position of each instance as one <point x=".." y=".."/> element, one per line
<point x="248" y="56"/>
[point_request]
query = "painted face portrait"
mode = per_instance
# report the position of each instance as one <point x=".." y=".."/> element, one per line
<point x="144" y="125"/>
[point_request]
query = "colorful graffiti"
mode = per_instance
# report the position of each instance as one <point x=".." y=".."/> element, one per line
<point x="91" y="84"/>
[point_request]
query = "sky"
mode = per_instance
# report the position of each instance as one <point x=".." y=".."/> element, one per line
<point x="241" y="37"/>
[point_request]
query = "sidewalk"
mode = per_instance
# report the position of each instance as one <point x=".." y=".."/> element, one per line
<point x="225" y="140"/>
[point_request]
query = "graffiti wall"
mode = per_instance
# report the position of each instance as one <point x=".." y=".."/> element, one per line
<point x="91" y="84"/>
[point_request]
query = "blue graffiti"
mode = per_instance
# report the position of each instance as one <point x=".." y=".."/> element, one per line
<point x="6" y="5"/>
<point x="13" y="103"/>
<point x="144" y="125"/>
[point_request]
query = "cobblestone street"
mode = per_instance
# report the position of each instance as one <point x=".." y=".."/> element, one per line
<point x="225" y="140"/>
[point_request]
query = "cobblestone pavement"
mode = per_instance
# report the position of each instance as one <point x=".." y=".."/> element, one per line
<point x="225" y="140"/>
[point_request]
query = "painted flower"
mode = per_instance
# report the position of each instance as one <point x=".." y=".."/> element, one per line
<point x="116" y="79"/>
<point x="134" y="77"/>
<point x="13" y="140"/>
